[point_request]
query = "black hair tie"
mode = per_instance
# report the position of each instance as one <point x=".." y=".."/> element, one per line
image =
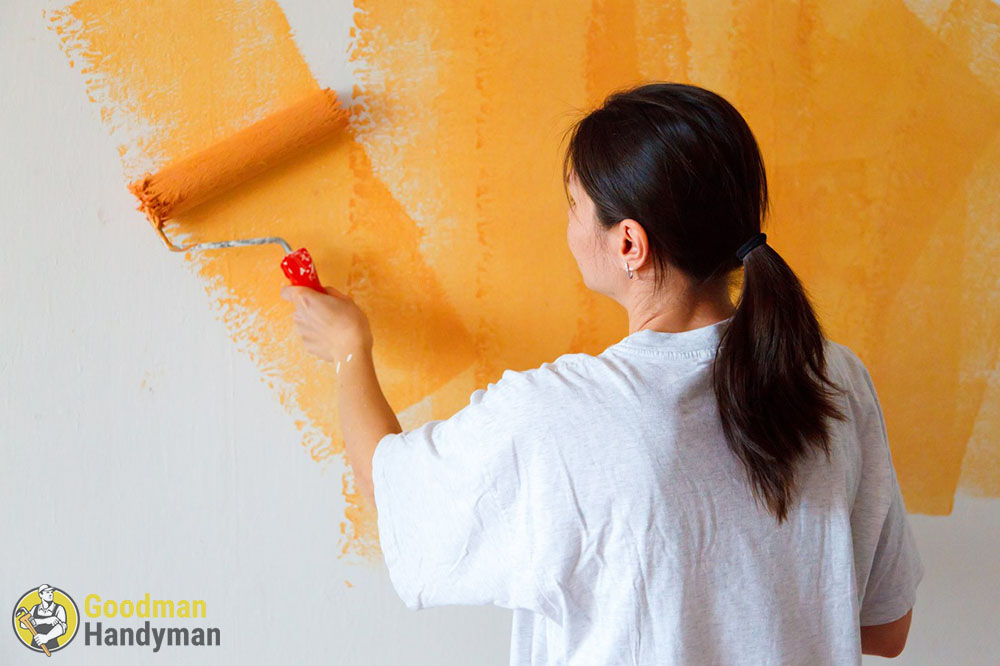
<point x="759" y="239"/>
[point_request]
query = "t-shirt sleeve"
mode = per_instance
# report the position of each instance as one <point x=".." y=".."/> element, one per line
<point x="445" y="536"/>
<point x="896" y="568"/>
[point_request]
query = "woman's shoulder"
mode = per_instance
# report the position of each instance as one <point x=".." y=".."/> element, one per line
<point x="844" y="364"/>
<point x="552" y="392"/>
<point x="846" y="369"/>
<point x="564" y="366"/>
<point x="568" y="372"/>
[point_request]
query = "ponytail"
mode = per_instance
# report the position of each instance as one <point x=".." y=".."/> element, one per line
<point x="770" y="380"/>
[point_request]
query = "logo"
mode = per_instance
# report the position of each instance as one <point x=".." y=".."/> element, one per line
<point x="45" y="619"/>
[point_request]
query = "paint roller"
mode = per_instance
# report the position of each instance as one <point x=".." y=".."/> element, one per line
<point x="188" y="182"/>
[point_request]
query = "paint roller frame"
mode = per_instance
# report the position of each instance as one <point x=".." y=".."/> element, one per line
<point x="185" y="184"/>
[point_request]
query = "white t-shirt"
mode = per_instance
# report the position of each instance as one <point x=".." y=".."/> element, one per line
<point x="596" y="497"/>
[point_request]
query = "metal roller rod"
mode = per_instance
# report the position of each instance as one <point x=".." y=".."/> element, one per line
<point x="224" y="244"/>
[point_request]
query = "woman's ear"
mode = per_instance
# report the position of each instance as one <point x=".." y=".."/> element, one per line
<point x="633" y="244"/>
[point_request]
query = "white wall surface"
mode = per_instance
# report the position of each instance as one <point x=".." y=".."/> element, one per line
<point x="142" y="452"/>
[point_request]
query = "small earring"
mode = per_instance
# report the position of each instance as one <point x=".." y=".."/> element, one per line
<point x="628" y="271"/>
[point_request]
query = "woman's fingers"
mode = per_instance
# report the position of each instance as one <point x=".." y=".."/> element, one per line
<point x="333" y="291"/>
<point x="290" y="292"/>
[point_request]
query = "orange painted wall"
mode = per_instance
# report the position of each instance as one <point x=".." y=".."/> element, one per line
<point x="443" y="213"/>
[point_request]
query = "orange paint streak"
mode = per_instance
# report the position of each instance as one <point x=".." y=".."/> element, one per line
<point x="208" y="76"/>
<point x="443" y="214"/>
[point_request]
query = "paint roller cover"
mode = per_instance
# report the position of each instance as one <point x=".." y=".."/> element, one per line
<point x="185" y="183"/>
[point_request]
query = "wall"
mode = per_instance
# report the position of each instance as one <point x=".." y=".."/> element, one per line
<point x="164" y="433"/>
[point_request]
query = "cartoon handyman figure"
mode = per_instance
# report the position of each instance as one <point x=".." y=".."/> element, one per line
<point x="49" y="619"/>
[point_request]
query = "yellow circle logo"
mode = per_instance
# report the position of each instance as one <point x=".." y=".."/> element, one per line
<point x="45" y="619"/>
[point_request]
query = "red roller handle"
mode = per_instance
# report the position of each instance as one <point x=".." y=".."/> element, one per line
<point x="299" y="268"/>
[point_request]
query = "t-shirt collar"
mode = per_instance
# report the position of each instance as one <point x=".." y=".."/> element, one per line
<point x="705" y="338"/>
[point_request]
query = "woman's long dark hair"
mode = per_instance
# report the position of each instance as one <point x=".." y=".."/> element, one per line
<point x="682" y="162"/>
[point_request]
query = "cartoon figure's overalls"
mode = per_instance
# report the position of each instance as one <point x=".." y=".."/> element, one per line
<point x="36" y="612"/>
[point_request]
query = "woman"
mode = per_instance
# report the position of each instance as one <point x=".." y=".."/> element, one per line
<point x="715" y="488"/>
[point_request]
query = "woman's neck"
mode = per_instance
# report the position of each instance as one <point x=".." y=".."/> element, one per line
<point x="679" y="316"/>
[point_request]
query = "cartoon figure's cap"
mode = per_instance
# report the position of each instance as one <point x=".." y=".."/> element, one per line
<point x="43" y="588"/>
